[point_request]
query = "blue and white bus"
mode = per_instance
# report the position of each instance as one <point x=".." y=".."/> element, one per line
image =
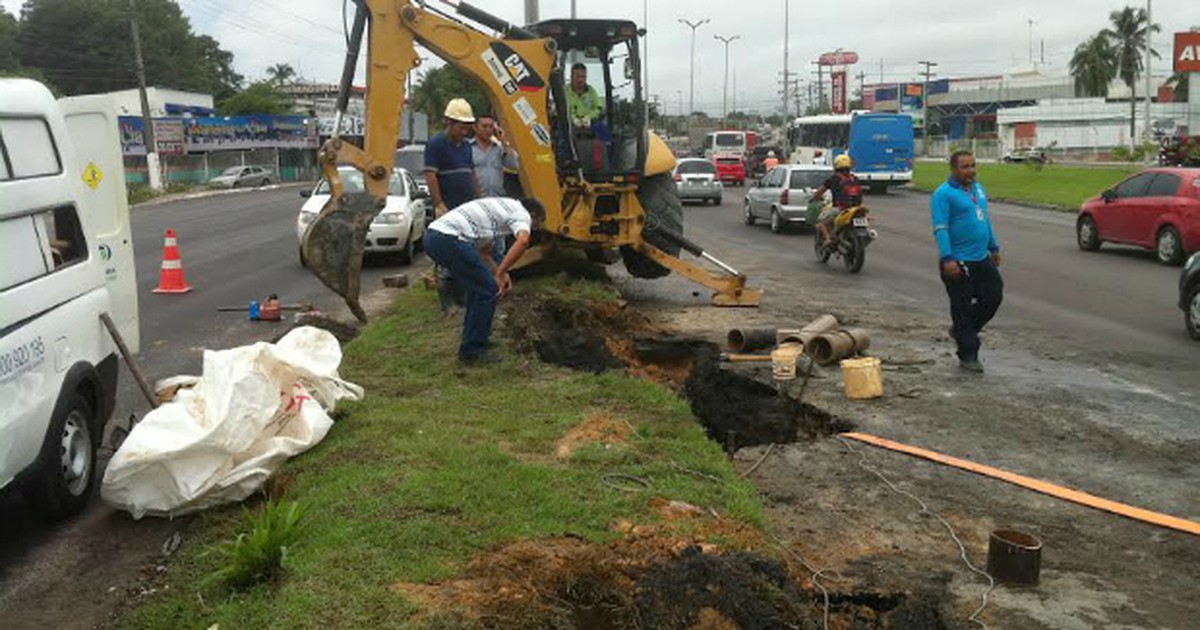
<point x="881" y="144"/>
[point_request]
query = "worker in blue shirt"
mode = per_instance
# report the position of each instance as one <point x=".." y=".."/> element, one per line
<point x="969" y="256"/>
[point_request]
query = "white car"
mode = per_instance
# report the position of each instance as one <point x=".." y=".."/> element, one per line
<point x="243" y="177"/>
<point x="397" y="229"/>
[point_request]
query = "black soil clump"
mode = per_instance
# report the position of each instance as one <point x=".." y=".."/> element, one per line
<point x="344" y="332"/>
<point x="563" y="334"/>
<point x="737" y="410"/>
<point x="751" y="591"/>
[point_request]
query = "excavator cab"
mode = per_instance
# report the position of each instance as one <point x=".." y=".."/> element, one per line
<point x="611" y="147"/>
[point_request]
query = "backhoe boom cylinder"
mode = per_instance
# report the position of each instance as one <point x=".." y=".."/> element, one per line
<point x="508" y="29"/>
<point x="352" y="49"/>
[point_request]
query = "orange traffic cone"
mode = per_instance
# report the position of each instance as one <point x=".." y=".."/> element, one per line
<point x="170" y="280"/>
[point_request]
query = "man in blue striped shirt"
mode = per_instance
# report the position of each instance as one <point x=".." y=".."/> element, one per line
<point x="969" y="256"/>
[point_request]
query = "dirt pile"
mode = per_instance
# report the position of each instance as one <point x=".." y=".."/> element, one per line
<point x="598" y="428"/>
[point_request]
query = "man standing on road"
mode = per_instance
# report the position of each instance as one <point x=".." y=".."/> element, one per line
<point x="491" y="157"/>
<point x="969" y="256"/>
<point x="450" y="176"/>
<point x="461" y="241"/>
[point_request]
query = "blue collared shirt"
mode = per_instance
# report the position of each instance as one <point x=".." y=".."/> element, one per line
<point x="961" y="224"/>
<point x="489" y="166"/>
<point x="455" y="169"/>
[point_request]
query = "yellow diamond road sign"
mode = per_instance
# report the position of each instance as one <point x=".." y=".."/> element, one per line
<point x="92" y="175"/>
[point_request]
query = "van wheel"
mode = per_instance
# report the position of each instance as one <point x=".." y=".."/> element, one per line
<point x="63" y="477"/>
<point x="1170" y="247"/>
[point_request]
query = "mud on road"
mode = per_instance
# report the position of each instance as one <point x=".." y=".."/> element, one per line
<point x="1044" y="409"/>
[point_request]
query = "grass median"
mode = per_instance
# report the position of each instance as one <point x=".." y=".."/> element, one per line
<point x="438" y="465"/>
<point x="1062" y="187"/>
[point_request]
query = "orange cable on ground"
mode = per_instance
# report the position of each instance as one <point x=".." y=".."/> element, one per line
<point x="1075" y="496"/>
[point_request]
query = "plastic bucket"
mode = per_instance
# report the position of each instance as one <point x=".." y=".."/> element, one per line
<point x="863" y="378"/>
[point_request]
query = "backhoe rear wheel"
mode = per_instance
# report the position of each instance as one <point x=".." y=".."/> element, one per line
<point x="660" y="200"/>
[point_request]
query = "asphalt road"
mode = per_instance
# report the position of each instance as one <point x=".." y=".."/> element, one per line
<point x="234" y="247"/>
<point x="1115" y="305"/>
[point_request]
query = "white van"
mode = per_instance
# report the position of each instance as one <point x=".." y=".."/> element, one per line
<point x="67" y="258"/>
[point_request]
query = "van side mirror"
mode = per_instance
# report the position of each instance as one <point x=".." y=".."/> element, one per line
<point x="306" y="193"/>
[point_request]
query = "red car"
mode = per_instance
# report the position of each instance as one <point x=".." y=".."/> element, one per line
<point x="1158" y="208"/>
<point x="731" y="169"/>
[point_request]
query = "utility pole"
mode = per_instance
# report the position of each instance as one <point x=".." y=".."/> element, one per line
<point x="152" y="168"/>
<point x="531" y="11"/>
<point x="820" y="85"/>
<point x="680" y="93"/>
<point x="1031" y="41"/>
<point x="786" y="20"/>
<point x="725" y="100"/>
<point x="929" y="65"/>
<point x="692" y="88"/>
<point x="734" y="105"/>
<point x="1149" y="59"/>
<point x="646" y="57"/>
<point x="810" y="94"/>
<point x="862" y="89"/>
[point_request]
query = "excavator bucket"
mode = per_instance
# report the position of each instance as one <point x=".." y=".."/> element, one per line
<point x="333" y="245"/>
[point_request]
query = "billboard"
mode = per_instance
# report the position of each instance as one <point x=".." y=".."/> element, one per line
<point x="837" y="80"/>
<point x="838" y="58"/>
<point x="1187" y="52"/>
<point x="168" y="135"/>
<point x="219" y="133"/>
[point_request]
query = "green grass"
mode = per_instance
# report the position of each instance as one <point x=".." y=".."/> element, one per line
<point x="1059" y="186"/>
<point x="434" y="466"/>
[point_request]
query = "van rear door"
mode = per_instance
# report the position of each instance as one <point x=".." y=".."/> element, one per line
<point x="92" y="125"/>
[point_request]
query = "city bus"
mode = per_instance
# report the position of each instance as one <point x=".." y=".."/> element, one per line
<point x="881" y="144"/>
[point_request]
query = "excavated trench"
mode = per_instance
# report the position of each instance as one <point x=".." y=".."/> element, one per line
<point x="739" y="406"/>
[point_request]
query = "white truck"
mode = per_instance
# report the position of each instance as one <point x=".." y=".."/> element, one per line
<point x="67" y="258"/>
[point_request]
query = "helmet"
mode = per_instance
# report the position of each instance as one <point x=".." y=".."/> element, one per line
<point x="459" y="109"/>
<point x="842" y="161"/>
<point x="770" y="154"/>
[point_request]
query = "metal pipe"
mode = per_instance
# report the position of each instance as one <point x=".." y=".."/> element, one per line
<point x="147" y="391"/>
<point x="750" y="339"/>
<point x="714" y="260"/>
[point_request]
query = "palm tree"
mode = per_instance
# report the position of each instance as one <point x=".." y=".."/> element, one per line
<point x="1094" y="66"/>
<point x="1130" y="33"/>
<point x="1179" y="83"/>
<point x="281" y="73"/>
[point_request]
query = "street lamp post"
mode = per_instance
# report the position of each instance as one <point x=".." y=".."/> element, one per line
<point x="725" y="98"/>
<point x="692" y="82"/>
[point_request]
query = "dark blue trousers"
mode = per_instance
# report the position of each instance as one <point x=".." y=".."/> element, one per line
<point x="474" y="279"/>
<point x="975" y="296"/>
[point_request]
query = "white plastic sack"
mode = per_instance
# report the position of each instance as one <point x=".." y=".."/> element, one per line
<point x="254" y="407"/>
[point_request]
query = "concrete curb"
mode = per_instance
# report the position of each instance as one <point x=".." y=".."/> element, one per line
<point x="1012" y="202"/>
<point x="202" y="194"/>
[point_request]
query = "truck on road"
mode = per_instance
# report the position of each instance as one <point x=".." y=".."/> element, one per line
<point x="68" y="260"/>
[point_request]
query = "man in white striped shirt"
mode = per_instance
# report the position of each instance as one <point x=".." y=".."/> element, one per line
<point x="461" y="241"/>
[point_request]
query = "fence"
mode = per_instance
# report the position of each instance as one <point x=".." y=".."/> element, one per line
<point x="983" y="148"/>
<point x="290" y="165"/>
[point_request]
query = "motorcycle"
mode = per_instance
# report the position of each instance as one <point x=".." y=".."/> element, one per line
<point x="851" y="232"/>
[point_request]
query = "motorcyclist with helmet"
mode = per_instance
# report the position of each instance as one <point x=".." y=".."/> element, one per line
<point x="847" y="193"/>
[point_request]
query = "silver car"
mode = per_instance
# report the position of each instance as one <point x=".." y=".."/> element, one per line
<point x="244" y="177"/>
<point x="697" y="181"/>
<point x="781" y="196"/>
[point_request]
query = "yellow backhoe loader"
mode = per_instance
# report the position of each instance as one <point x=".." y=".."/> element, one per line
<point x="603" y="192"/>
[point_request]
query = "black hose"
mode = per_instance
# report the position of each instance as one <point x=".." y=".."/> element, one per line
<point x="508" y="29"/>
<point x="352" y="50"/>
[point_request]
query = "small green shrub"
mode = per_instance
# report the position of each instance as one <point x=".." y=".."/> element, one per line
<point x="259" y="556"/>
<point x="1121" y="154"/>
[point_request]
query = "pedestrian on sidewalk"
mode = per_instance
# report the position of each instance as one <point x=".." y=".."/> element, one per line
<point x="461" y="242"/>
<point x="969" y="256"/>
<point x="491" y="157"/>
<point x="450" y="176"/>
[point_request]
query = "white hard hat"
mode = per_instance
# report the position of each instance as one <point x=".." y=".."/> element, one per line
<point x="770" y="154"/>
<point x="459" y="109"/>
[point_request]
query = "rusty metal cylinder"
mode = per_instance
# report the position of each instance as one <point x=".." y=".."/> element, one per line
<point x="829" y="348"/>
<point x="1014" y="557"/>
<point x="750" y="339"/>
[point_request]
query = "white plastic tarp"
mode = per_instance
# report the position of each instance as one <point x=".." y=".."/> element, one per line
<point x="254" y="407"/>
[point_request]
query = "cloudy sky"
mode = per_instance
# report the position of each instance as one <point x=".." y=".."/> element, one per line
<point x="965" y="38"/>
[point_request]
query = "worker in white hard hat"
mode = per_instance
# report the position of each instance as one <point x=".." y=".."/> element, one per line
<point x="770" y="161"/>
<point x="450" y="175"/>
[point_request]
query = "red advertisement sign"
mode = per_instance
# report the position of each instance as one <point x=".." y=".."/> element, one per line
<point x="838" y="83"/>
<point x="1187" y="52"/>
<point x="838" y="58"/>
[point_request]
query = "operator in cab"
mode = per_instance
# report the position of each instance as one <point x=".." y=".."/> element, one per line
<point x="846" y="191"/>
<point x="584" y="105"/>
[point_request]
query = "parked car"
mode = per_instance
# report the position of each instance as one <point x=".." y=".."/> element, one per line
<point x="1036" y="156"/>
<point x="697" y="181"/>
<point x="782" y="195"/>
<point x="1158" y="208"/>
<point x="1189" y="295"/>
<point x="243" y="177"/>
<point x="731" y="169"/>
<point x="397" y="229"/>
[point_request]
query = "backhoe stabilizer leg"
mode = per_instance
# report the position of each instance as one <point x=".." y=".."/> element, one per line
<point x="333" y="245"/>
<point x="728" y="290"/>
